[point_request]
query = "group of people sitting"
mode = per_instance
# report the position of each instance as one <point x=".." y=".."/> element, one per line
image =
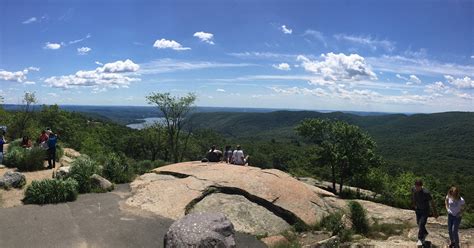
<point x="229" y="156"/>
<point x="47" y="140"/>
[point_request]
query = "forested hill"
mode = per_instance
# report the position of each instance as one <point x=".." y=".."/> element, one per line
<point x="422" y="142"/>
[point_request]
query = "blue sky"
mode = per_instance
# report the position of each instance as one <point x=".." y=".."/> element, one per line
<point x="394" y="56"/>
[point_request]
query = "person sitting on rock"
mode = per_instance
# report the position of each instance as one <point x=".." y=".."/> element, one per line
<point x="214" y="155"/>
<point x="421" y="199"/>
<point x="43" y="137"/>
<point x="26" y="142"/>
<point x="228" y="154"/>
<point x="238" y="157"/>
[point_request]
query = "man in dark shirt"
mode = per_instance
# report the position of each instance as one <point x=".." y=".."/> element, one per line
<point x="421" y="199"/>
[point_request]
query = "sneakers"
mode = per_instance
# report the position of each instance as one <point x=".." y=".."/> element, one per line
<point x="419" y="243"/>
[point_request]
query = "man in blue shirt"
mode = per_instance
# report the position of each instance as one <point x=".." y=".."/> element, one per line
<point x="52" y="140"/>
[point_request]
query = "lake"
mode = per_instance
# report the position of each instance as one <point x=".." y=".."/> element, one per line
<point x="147" y="122"/>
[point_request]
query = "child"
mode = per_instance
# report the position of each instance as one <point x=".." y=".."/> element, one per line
<point x="455" y="206"/>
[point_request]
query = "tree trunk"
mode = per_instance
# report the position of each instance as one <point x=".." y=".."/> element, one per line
<point x="341" y="179"/>
<point x="333" y="168"/>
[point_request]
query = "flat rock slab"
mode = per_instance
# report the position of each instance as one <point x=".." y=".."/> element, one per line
<point x="170" y="198"/>
<point x="93" y="220"/>
<point x="246" y="216"/>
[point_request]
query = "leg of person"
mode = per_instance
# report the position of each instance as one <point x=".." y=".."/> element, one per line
<point x="456" y="223"/>
<point x="450" y="229"/>
<point x="423" y="220"/>
<point x="49" y="159"/>
<point x="1" y="157"/>
<point x="54" y="158"/>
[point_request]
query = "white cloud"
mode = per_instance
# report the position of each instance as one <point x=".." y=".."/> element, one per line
<point x="437" y="88"/>
<point x="414" y="79"/>
<point x="171" y="65"/>
<point x="80" y="40"/>
<point x="368" y="41"/>
<point x="220" y="90"/>
<point x="52" y="46"/>
<point x="17" y="76"/>
<point x="460" y="83"/>
<point x="286" y="30"/>
<point x="30" y="20"/>
<point x="339" y="67"/>
<point x="205" y="37"/>
<point x="282" y="66"/>
<point x="111" y="75"/>
<point x="83" y="50"/>
<point x="98" y="63"/>
<point x="299" y="91"/>
<point x="472" y="56"/>
<point x="405" y="65"/>
<point x="317" y="35"/>
<point x="171" y="44"/>
<point x="401" y="77"/>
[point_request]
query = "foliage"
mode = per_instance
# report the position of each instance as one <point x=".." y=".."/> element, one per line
<point x="467" y="220"/>
<point x="388" y="229"/>
<point x="359" y="220"/>
<point x="81" y="170"/>
<point x="174" y="110"/>
<point x="346" y="148"/>
<point x="51" y="191"/>
<point x="117" y="170"/>
<point x="25" y="159"/>
<point x="146" y="166"/>
<point x="332" y="223"/>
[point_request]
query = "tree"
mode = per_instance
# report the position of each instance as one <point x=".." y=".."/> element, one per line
<point x="346" y="148"/>
<point x="174" y="109"/>
<point x="23" y="117"/>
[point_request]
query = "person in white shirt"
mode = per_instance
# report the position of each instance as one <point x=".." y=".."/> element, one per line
<point x="238" y="157"/>
<point x="455" y="206"/>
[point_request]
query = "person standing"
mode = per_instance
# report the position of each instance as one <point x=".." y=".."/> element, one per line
<point x="421" y="201"/>
<point x="228" y="154"/>
<point x="52" y="140"/>
<point x="2" y="141"/>
<point x="454" y="205"/>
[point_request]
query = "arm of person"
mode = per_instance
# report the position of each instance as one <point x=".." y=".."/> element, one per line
<point x="446" y="203"/>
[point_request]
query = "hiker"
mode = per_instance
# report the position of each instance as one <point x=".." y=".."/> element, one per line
<point x="238" y="157"/>
<point x="455" y="206"/>
<point x="26" y="142"/>
<point x="2" y="141"/>
<point x="421" y="201"/>
<point x="214" y="155"/>
<point x="228" y="154"/>
<point x="42" y="139"/>
<point x="52" y="140"/>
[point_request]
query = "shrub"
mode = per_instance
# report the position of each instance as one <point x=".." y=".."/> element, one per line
<point x="146" y="166"/>
<point x="25" y="159"/>
<point x="81" y="170"/>
<point x="117" y="170"/>
<point x="467" y="220"/>
<point x="51" y="191"/>
<point x="359" y="218"/>
<point x="389" y="229"/>
<point x="332" y="223"/>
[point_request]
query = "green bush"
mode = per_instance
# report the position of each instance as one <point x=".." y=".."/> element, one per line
<point x="81" y="170"/>
<point x="117" y="170"/>
<point x="51" y="191"/>
<point x="332" y="223"/>
<point x="146" y="166"/>
<point x="359" y="220"/>
<point x="25" y="159"/>
<point x="467" y="220"/>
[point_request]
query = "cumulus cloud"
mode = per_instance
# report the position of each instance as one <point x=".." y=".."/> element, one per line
<point x="220" y="90"/>
<point x="83" y="50"/>
<point x="169" y="44"/>
<point x="282" y="66"/>
<point x="368" y="41"/>
<point x="17" y="76"/>
<point x="437" y="88"/>
<point x="286" y="30"/>
<point x="111" y="75"/>
<point x="339" y="67"/>
<point x="413" y="80"/>
<point x="460" y="83"/>
<point x="205" y="37"/>
<point x="52" y="46"/>
<point x="30" y="20"/>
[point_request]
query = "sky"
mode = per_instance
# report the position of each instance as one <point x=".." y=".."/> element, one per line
<point x="387" y="56"/>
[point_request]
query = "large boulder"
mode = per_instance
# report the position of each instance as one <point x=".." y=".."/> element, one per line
<point x="201" y="230"/>
<point x="101" y="184"/>
<point x="12" y="179"/>
<point x="62" y="172"/>
<point x="291" y="199"/>
<point x="69" y="152"/>
<point x="246" y="216"/>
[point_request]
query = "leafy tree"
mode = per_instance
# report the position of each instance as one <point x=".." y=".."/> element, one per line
<point x="174" y="109"/>
<point x="346" y="148"/>
<point x="23" y="118"/>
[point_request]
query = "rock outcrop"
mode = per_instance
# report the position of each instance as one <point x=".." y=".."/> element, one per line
<point x="201" y="230"/>
<point x="101" y="184"/>
<point x="12" y="179"/>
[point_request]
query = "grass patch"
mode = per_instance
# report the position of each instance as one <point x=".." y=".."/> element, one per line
<point x="49" y="191"/>
<point x="387" y="229"/>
